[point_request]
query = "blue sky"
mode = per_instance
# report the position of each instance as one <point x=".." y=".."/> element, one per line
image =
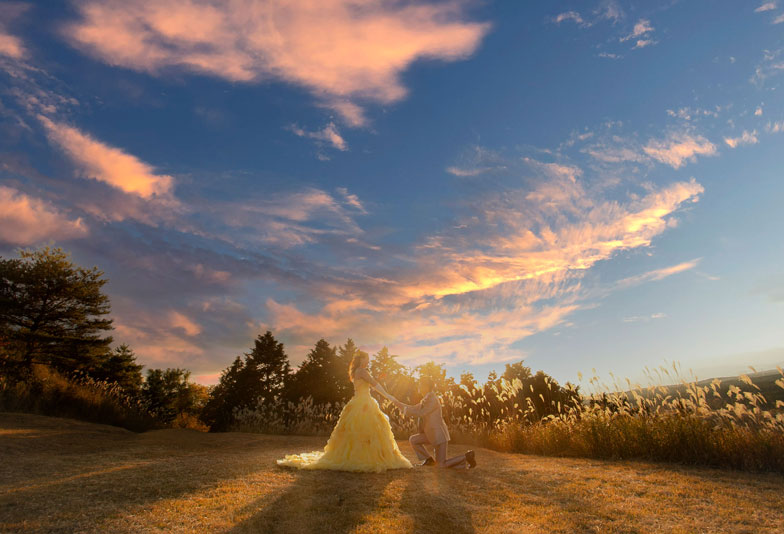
<point x="581" y="185"/>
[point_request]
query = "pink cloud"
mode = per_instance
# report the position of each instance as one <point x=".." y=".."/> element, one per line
<point x="342" y="50"/>
<point x="183" y="322"/>
<point x="108" y="164"/>
<point x="11" y="46"/>
<point x="680" y="148"/>
<point x="25" y="220"/>
<point x="746" y="138"/>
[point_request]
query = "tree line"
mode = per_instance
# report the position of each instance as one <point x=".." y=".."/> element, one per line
<point x="55" y="314"/>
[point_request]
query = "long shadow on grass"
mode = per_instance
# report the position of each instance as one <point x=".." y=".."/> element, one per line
<point x="110" y="479"/>
<point x="434" y="501"/>
<point x="318" y="501"/>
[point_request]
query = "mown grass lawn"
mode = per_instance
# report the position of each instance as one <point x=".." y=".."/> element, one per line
<point x="60" y="475"/>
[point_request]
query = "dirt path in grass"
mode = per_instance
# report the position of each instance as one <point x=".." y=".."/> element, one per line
<point x="59" y="475"/>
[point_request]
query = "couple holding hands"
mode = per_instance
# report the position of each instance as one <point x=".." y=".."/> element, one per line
<point x="362" y="439"/>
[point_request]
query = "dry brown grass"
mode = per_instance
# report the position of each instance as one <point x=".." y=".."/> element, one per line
<point x="60" y="475"/>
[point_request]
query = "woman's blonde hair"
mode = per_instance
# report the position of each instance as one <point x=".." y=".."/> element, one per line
<point x="356" y="362"/>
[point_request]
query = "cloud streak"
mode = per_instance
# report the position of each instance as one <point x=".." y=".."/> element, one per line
<point x="104" y="163"/>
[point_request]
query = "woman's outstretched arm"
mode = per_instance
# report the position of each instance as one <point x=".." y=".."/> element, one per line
<point x="367" y="377"/>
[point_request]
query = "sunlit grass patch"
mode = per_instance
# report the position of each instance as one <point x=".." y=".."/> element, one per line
<point x="79" y="477"/>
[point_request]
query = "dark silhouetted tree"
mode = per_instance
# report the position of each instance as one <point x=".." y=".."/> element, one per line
<point x="52" y="311"/>
<point x="321" y="376"/>
<point x="262" y="376"/>
<point x="119" y="366"/>
<point x="169" y="392"/>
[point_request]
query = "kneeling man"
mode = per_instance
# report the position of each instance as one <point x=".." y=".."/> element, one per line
<point x="433" y="433"/>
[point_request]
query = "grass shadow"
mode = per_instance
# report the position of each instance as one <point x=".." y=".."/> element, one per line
<point x="318" y="501"/>
<point x="433" y="504"/>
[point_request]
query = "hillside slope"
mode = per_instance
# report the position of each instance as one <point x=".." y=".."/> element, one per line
<point x="60" y="475"/>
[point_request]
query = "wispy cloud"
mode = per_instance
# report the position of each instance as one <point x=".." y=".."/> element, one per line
<point x="644" y="318"/>
<point x="508" y="269"/>
<point x="658" y="274"/>
<point x="747" y="138"/>
<point x="642" y="43"/>
<point x="775" y="127"/>
<point x="573" y="16"/>
<point x="606" y="10"/>
<point x="26" y="220"/>
<point x="288" y="219"/>
<point x="642" y="27"/>
<point x="477" y="160"/>
<point x="771" y="65"/>
<point x="342" y="53"/>
<point x="11" y="45"/>
<point x="767" y="6"/>
<point x="679" y="148"/>
<point x="329" y="134"/>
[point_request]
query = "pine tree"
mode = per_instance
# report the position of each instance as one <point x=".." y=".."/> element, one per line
<point x="261" y="377"/>
<point x="321" y="376"/>
<point x="266" y="370"/>
<point x="119" y="366"/>
<point x="169" y="392"/>
<point x="52" y="311"/>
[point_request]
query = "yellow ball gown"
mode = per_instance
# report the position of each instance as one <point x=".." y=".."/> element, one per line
<point x="362" y="440"/>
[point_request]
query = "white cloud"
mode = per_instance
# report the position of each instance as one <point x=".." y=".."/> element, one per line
<point x="341" y="50"/>
<point x="747" y="138"/>
<point x="758" y="112"/>
<point x="779" y="19"/>
<point x="26" y="220"/>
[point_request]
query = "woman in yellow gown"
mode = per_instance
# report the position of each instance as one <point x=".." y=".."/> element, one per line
<point x="362" y="440"/>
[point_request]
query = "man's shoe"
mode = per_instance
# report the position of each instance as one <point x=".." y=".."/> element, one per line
<point x="428" y="461"/>
<point x="471" y="459"/>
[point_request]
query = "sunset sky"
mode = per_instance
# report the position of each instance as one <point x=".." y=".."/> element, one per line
<point x="577" y="184"/>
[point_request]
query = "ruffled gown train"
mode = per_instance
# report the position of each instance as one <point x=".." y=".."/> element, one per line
<point x="362" y="440"/>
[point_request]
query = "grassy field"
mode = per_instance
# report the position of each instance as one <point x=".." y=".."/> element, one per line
<point x="61" y="475"/>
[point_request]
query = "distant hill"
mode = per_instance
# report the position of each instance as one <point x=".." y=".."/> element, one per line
<point x="764" y="380"/>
